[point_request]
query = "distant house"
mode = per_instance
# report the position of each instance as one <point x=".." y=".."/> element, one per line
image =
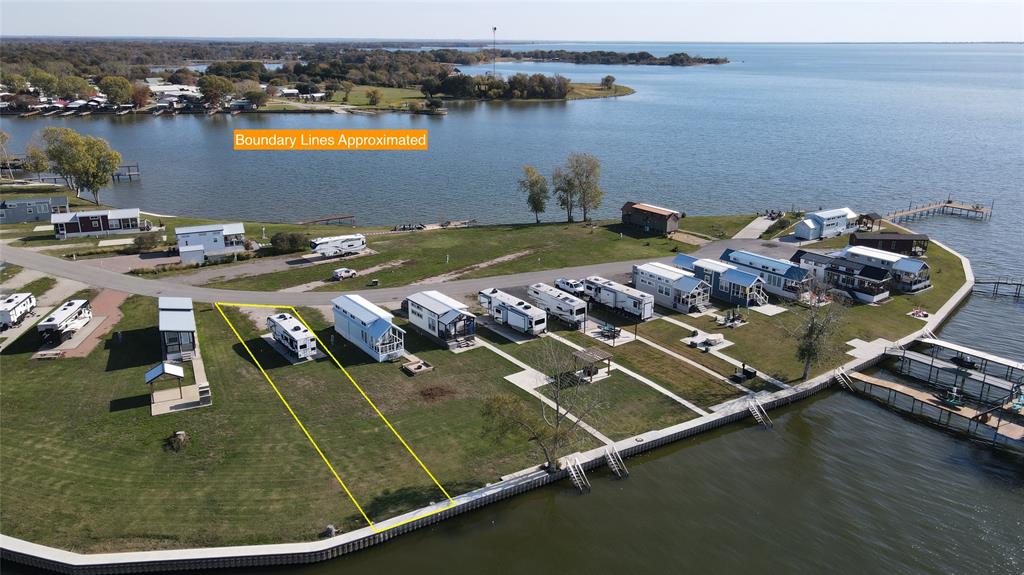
<point x="909" y="275"/>
<point x="444" y="319"/>
<point x="177" y="328"/>
<point x="672" y="287"/>
<point x="314" y="97"/>
<point x="650" y="219"/>
<point x="782" y="278"/>
<point x="21" y="210"/>
<point x="288" y="92"/>
<point x="98" y="223"/>
<point x="906" y="244"/>
<point x="826" y="224"/>
<point x="862" y="282"/>
<point x="728" y="283"/>
<point x="368" y="327"/>
<point x="197" y="243"/>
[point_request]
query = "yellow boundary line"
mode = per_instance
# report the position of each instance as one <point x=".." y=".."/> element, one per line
<point x="312" y="441"/>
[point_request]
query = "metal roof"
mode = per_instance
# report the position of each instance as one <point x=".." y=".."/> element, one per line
<point x="670" y="273"/>
<point x="687" y="283"/>
<point x="684" y="261"/>
<point x="177" y="319"/>
<point x="835" y="213"/>
<point x="815" y="257"/>
<point x="165" y="368"/>
<point x="742" y="278"/>
<point x="889" y="236"/>
<point x="436" y="302"/>
<point x="864" y="251"/>
<point x="226" y="229"/>
<point x="52" y="200"/>
<point x="973" y="352"/>
<point x="758" y="263"/>
<point x="174" y="303"/>
<point x="120" y="214"/>
<point x="910" y="265"/>
<point x="361" y="308"/>
<point x="651" y="209"/>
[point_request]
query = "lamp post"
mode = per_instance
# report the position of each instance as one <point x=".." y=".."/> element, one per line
<point x="494" y="51"/>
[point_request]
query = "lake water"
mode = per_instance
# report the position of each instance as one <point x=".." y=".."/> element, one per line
<point x="841" y="485"/>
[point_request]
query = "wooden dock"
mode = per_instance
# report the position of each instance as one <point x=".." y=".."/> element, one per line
<point x="128" y="172"/>
<point x="335" y="219"/>
<point x="984" y="424"/>
<point x="949" y="207"/>
<point x="1001" y="286"/>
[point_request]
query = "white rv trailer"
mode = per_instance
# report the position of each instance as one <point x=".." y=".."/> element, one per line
<point x="14" y="308"/>
<point x="292" y="334"/>
<point x="338" y="245"/>
<point x="619" y="297"/>
<point x="566" y="307"/>
<point x="65" y="320"/>
<point x="513" y="312"/>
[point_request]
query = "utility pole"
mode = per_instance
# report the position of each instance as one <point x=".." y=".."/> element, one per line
<point x="494" y="51"/>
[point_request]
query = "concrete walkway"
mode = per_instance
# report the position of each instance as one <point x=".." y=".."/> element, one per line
<point x="518" y="382"/>
<point x="637" y="377"/>
<point x="754" y="229"/>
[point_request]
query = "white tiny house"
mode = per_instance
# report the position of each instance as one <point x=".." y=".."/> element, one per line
<point x="14" y="308"/>
<point x="292" y="334"/>
<point x="513" y="312"/>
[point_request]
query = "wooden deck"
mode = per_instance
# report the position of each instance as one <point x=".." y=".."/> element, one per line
<point x="949" y="207"/>
<point x="1004" y="428"/>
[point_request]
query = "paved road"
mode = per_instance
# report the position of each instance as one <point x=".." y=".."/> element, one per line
<point x="103" y="278"/>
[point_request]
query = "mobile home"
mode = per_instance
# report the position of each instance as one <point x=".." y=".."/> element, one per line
<point x="826" y="224"/>
<point x="65" y="320"/>
<point x="672" y="287"/>
<point x="442" y="318"/>
<point x="616" y="296"/>
<point x="197" y="243"/>
<point x="513" y="312"/>
<point x="14" y="308"/>
<point x="568" y="308"/>
<point x="728" y="283"/>
<point x="782" y="278"/>
<point x="177" y="324"/>
<point x="21" y="210"/>
<point x="338" y="245"/>
<point x="368" y="327"/>
<point x="98" y="223"/>
<point x="292" y="334"/>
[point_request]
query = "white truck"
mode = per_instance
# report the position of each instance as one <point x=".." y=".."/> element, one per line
<point x="14" y="308"/>
<point x="334" y="246"/>
<point x="619" y="297"/>
<point x="568" y="308"/>
<point x="511" y="311"/>
<point x="65" y="320"/>
<point x="292" y="334"/>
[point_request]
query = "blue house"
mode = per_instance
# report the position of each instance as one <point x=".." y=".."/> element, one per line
<point x="782" y="278"/>
<point x="728" y="283"/>
<point x="368" y="327"/>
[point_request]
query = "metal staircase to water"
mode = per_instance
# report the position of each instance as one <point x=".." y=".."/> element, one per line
<point x="577" y="475"/>
<point x="615" y="463"/>
<point x="844" y="380"/>
<point x="759" y="413"/>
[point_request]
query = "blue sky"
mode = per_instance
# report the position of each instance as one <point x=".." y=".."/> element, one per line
<point x="681" y="20"/>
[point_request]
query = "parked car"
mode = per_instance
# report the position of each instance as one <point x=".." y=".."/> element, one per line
<point x="343" y="274"/>
<point x="574" y="287"/>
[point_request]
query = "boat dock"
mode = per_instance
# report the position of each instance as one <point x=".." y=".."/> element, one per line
<point x="126" y="172"/>
<point x="984" y="424"/>
<point x="996" y="285"/>
<point x="949" y="207"/>
<point x="976" y="374"/>
<point x="334" y="219"/>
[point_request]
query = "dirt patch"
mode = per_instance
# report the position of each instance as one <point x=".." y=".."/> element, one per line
<point x="690" y="239"/>
<point x="107" y="303"/>
<point x="454" y="274"/>
<point x="436" y="393"/>
<point x="309" y="286"/>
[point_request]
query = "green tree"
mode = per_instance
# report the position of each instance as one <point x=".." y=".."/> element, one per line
<point x="608" y="82"/>
<point x="85" y="162"/>
<point x="256" y="97"/>
<point x="287" y="242"/>
<point x="35" y="161"/>
<point x="73" y="88"/>
<point x="15" y="83"/>
<point x="565" y="193"/>
<point x="535" y="186"/>
<point x="43" y="81"/>
<point x="374" y="96"/>
<point x="215" y="89"/>
<point x="584" y="177"/>
<point x="346" y="87"/>
<point x="117" y="89"/>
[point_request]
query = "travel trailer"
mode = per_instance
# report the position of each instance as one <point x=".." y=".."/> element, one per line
<point x="65" y="320"/>
<point x="568" y="308"/>
<point x="620" y="297"/>
<point x="292" y="334"/>
<point x="338" y="245"/>
<point x="513" y="312"/>
<point x="14" y="308"/>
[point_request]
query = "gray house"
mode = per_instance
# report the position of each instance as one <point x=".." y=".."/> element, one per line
<point x="21" y="210"/>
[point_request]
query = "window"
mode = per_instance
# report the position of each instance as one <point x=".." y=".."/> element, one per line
<point x="114" y="224"/>
<point x="28" y="209"/>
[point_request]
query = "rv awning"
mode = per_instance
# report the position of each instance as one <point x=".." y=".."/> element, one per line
<point x="165" y="368"/>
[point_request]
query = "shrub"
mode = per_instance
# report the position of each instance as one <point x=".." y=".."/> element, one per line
<point x="147" y="242"/>
<point x="287" y="242"/>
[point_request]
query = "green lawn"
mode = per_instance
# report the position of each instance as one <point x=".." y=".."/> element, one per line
<point x="85" y="466"/>
<point x="668" y="335"/>
<point x="8" y="271"/>
<point x="624" y="407"/>
<point x="584" y="91"/>
<point x="715" y="226"/>
<point x="427" y="252"/>
<point x="39" y="286"/>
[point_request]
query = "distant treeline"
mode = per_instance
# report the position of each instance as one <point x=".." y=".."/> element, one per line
<point x="606" y="57"/>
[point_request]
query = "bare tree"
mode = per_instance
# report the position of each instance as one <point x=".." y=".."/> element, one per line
<point x="817" y="325"/>
<point x="556" y="430"/>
